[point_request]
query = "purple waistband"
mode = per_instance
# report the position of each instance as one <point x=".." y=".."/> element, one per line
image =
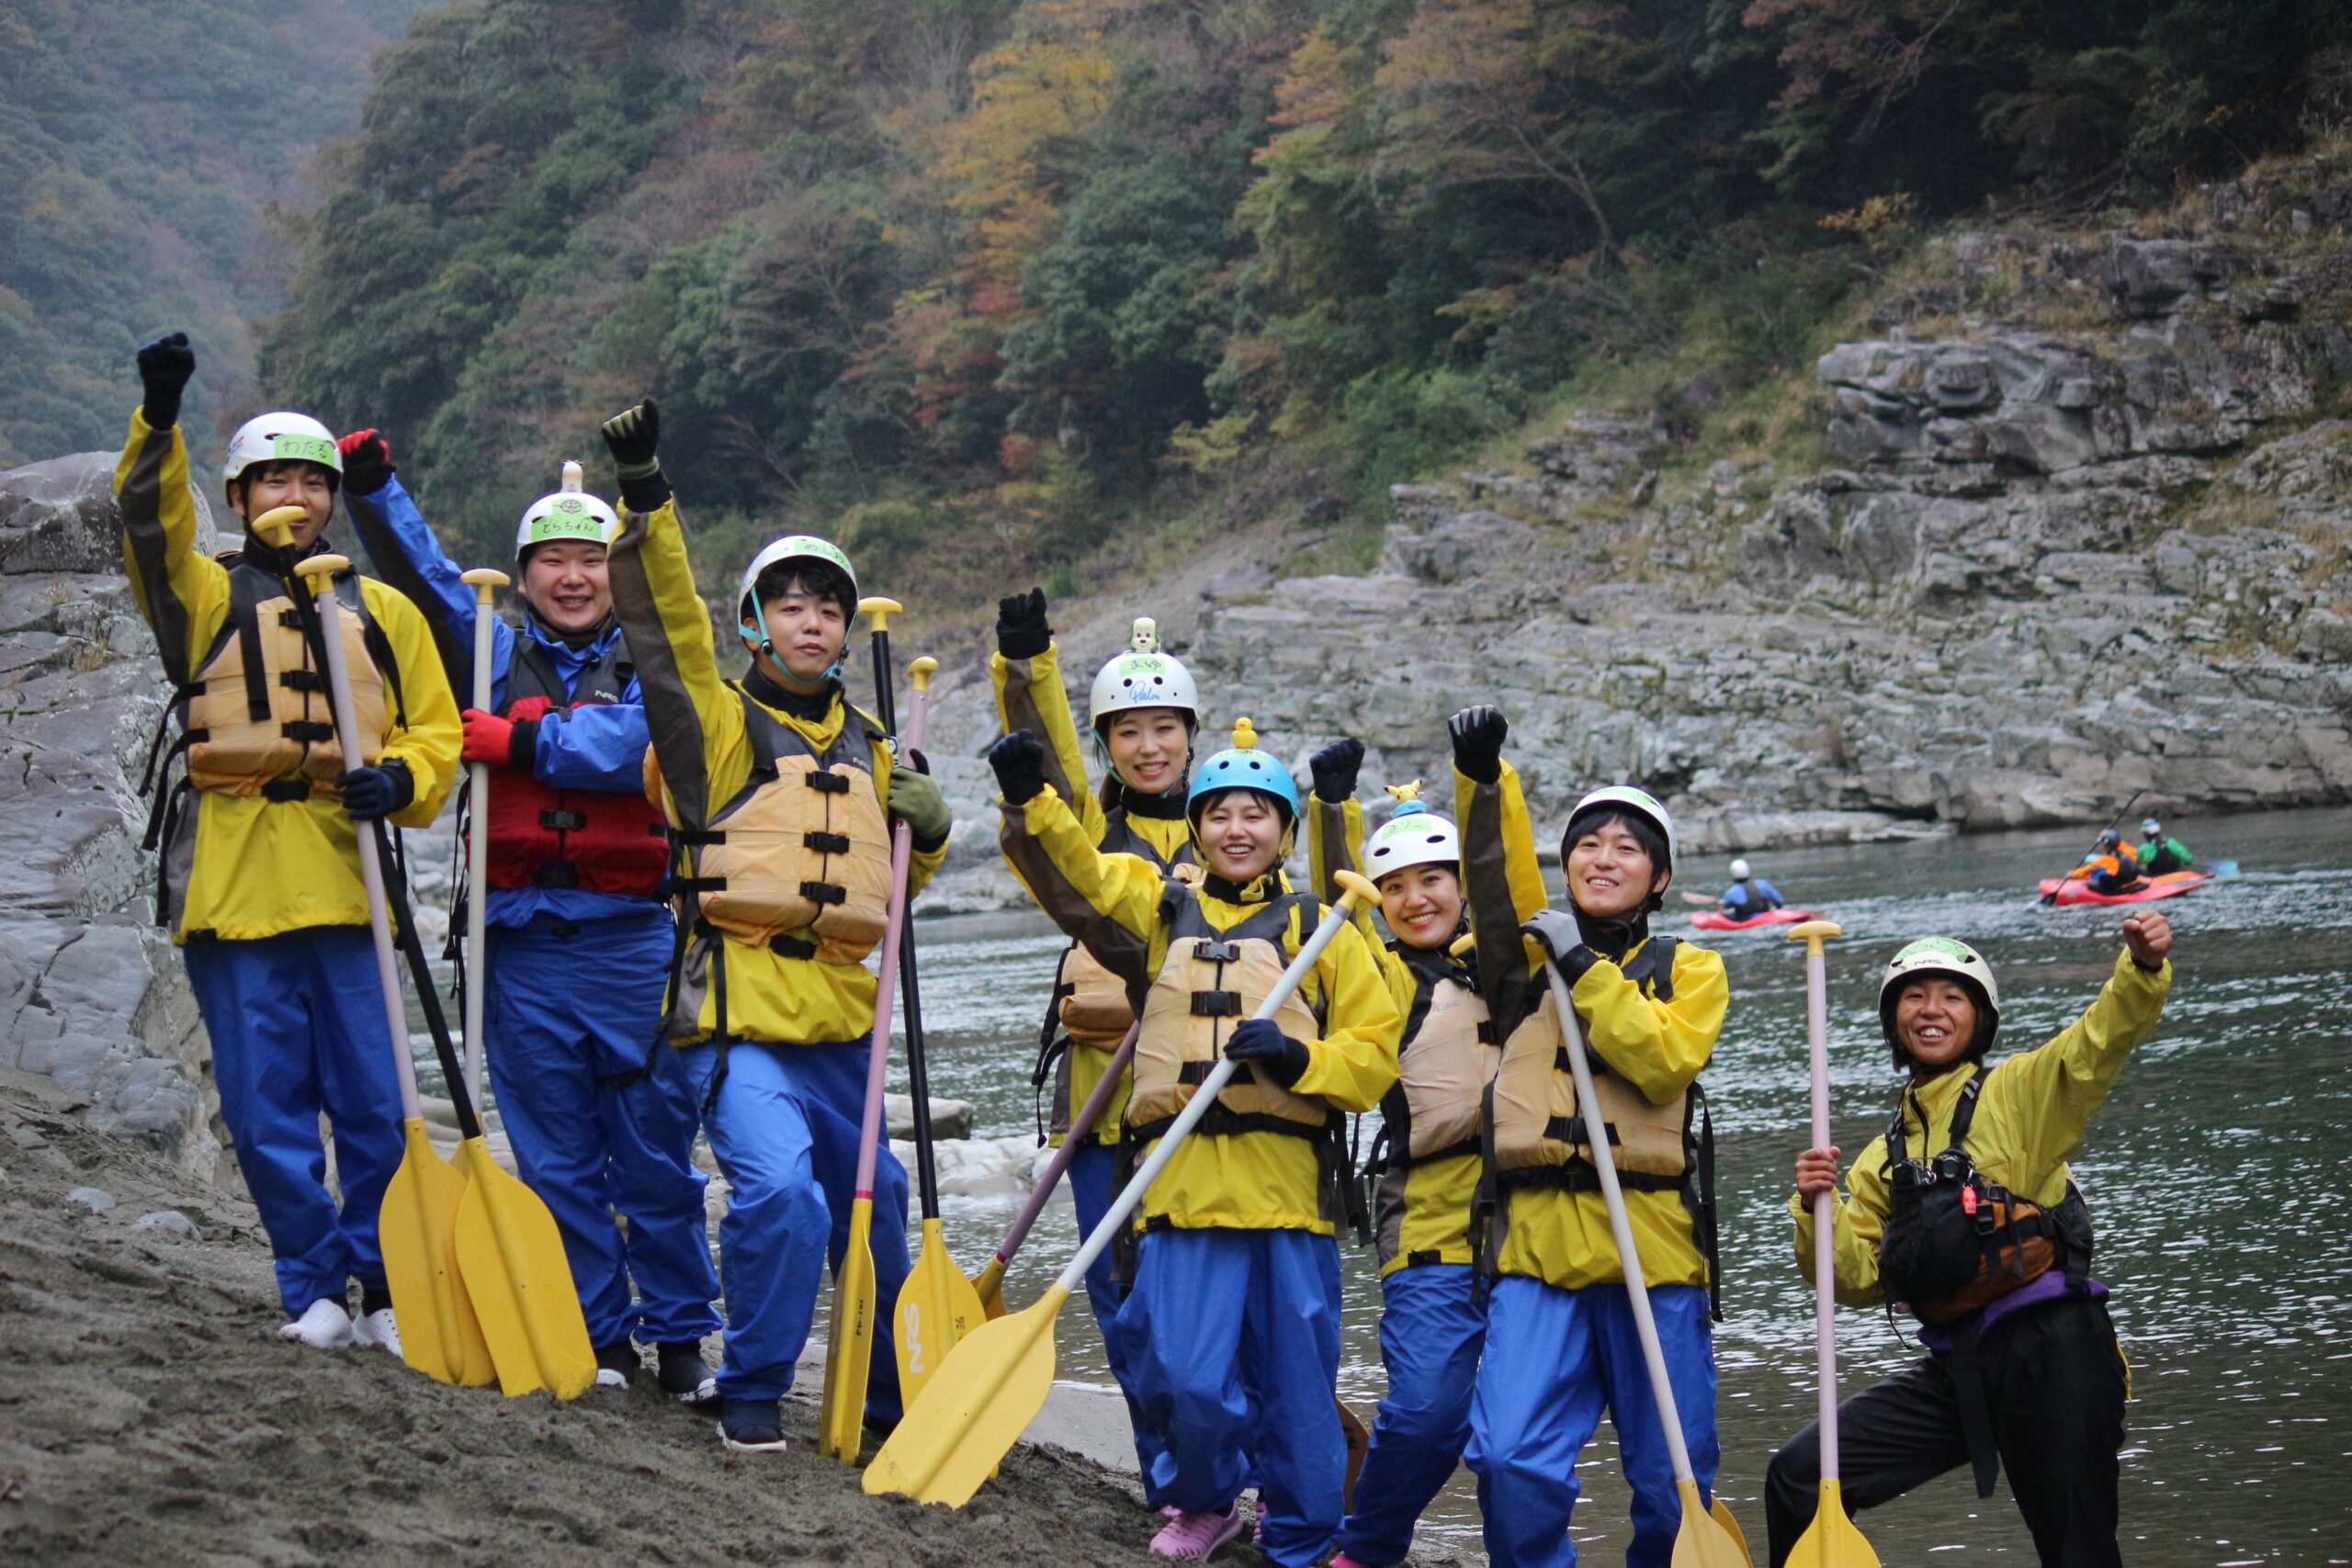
<point x="2047" y="1286"/>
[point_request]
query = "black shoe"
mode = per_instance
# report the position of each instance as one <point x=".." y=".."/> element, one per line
<point x="684" y="1377"/>
<point x="617" y="1364"/>
<point x="752" y="1426"/>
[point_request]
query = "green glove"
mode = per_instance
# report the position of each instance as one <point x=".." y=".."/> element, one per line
<point x="916" y="801"/>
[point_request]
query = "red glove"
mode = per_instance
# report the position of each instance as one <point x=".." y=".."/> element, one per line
<point x="489" y="738"/>
<point x="366" y="461"/>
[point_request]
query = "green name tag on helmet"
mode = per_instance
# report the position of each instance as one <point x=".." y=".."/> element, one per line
<point x="305" y="449"/>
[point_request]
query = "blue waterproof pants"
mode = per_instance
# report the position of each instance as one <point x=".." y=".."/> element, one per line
<point x="1235" y="1340"/>
<point x="296" y="1024"/>
<point x="785" y="1129"/>
<point x="1431" y="1327"/>
<point x="572" y="1013"/>
<point x="1091" y="1173"/>
<point x="1553" y="1359"/>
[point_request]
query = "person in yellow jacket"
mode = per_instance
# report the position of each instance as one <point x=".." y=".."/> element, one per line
<point x="1426" y="1162"/>
<point x="1232" y="1320"/>
<point x="1964" y="1214"/>
<point x="780" y="796"/>
<point x="260" y="882"/>
<point x="1560" y="1339"/>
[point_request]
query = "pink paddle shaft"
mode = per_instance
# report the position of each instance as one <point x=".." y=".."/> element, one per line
<point x="877" y="1061"/>
<point x="1825" y="1209"/>
<point x="1072" y="1141"/>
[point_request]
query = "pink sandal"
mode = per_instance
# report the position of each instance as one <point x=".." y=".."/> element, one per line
<point x="1192" y="1538"/>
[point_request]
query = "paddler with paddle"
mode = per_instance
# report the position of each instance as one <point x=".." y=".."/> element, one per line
<point x="1600" y="1273"/>
<point x="1143" y="711"/>
<point x="2110" y="867"/>
<point x="600" y="1117"/>
<point x="1425" y="1165"/>
<point x="780" y="797"/>
<point x="1964" y="1214"/>
<point x="260" y="881"/>
<point x="1231" y="1322"/>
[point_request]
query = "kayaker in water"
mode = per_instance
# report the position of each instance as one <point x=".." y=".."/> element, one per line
<point x="2110" y="867"/>
<point x="1964" y="1214"/>
<point x="1749" y="895"/>
<point x="2160" y="853"/>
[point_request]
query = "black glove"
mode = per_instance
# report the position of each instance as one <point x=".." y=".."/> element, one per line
<point x="165" y="366"/>
<point x="1261" y="1042"/>
<point x="1020" y="629"/>
<point x="367" y="462"/>
<point x="369" y="794"/>
<point x="1335" y="768"/>
<point x="1020" y="762"/>
<point x="631" y="437"/>
<point x="1478" y="735"/>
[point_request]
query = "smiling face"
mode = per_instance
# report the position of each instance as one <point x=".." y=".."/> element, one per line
<point x="1240" y="834"/>
<point x="567" y="586"/>
<point x="1148" y="749"/>
<point x="1611" y="875"/>
<point x="1935" y="1021"/>
<point x="807" y="634"/>
<point x="1423" y="905"/>
<point x="265" y="487"/>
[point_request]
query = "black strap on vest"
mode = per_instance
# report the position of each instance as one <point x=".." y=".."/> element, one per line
<point x="531" y="672"/>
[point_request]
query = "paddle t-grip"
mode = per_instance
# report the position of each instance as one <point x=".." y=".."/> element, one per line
<point x="276" y="527"/>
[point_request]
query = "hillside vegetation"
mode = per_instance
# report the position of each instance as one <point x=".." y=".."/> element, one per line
<point x="992" y="286"/>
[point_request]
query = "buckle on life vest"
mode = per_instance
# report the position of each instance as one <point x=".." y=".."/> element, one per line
<point x="1208" y="951"/>
<point x="791" y="947"/>
<point x="307" y="729"/>
<point x="1487" y="1035"/>
<point x="1194" y="1072"/>
<point x="1216" y="1004"/>
<point x="556" y="873"/>
<point x="824" y="893"/>
<point x="826" y="843"/>
<point x="287" y="789"/>
<point x="829" y="783"/>
<point x="301" y="679"/>
<point x="563" y="821"/>
<point x="1570" y="1130"/>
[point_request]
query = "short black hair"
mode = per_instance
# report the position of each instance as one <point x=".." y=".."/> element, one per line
<point x="816" y="578"/>
<point x="1642" y="830"/>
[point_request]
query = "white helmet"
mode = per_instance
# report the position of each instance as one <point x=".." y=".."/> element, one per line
<point x="1413" y="835"/>
<point x="792" y="546"/>
<point x="1143" y="677"/>
<point x="281" y="438"/>
<point x="1953" y="960"/>
<point x="1741" y="871"/>
<point x="1639" y="801"/>
<point x="567" y="514"/>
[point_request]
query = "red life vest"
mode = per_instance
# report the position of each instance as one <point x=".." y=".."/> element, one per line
<point x="596" y="840"/>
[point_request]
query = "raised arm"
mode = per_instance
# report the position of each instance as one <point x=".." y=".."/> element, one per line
<point x="1027" y="673"/>
<point x="1501" y="881"/>
<point x="1335" y="826"/>
<point x="404" y="551"/>
<point x="184" y="595"/>
<point x="2036" y="1106"/>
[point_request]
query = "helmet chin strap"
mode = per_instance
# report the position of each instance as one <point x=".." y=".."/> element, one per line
<point x="767" y="648"/>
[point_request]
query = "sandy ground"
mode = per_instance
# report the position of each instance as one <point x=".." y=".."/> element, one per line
<point x="149" y="1414"/>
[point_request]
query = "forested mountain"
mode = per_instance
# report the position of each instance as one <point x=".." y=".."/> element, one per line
<point x="143" y="143"/>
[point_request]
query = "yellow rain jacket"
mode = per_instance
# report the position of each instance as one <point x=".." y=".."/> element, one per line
<point x="2029" y="1116"/>
<point x="1657" y="1046"/>
<point x="1423" y="1209"/>
<point x="1030" y="695"/>
<point x="1252" y="1180"/>
<point x="701" y="751"/>
<point x="259" y="867"/>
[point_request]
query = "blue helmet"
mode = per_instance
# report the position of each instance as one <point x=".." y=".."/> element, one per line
<point x="1243" y="767"/>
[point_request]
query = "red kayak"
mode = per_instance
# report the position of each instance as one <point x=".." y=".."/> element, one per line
<point x="1716" y="920"/>
<point x="2056" y="890"/>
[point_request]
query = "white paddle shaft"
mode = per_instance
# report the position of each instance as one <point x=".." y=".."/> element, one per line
<point x="1629" y="1255"/>
<point x="477" y="866"/>
<point x="878" y="1058"/>
<point x="1198" y="1106"/>
<point x="1825" y="1209"/>
<point x="371" y="868"/>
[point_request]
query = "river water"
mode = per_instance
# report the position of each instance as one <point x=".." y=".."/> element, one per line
<point x="2216" y="1175"/>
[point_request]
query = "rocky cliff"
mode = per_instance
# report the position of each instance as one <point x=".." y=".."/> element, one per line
<point x="2074" y="527"/>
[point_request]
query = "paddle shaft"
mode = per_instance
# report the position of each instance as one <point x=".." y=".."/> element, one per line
<point x="877" y="1060"/>
<point x="1131" y="1196"/>
<point x="1824" y="1207"/>
<point x="1629" y="1255"/>
<point x="1073" y="1139"/>
<point x="909" y="987"/>
<point x="478" y="861"/>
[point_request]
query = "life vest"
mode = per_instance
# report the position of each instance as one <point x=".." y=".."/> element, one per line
<point x="1210" y="981"/>
<point x="799" y="859"/>
<point x="600" y="840"/>
<point x="1449" y="1055"/>
<point x="256" y="717"/>
<point x="1955" y="1240"/>
<point x="1091" y="1003"/>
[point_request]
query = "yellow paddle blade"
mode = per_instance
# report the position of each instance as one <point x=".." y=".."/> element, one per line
<point x="849" y="1346"/>
<point x="989" y="1288"/>
<point x="1831" y="1540"/>
<point x="1723" y="1516"/>
<point x="417" y="1229"/>
<point x="937" y="1306"/>
<point x="1703" y="1542"/>
<point x="512" y="1257"/>
<point x="975" y="1407"/>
